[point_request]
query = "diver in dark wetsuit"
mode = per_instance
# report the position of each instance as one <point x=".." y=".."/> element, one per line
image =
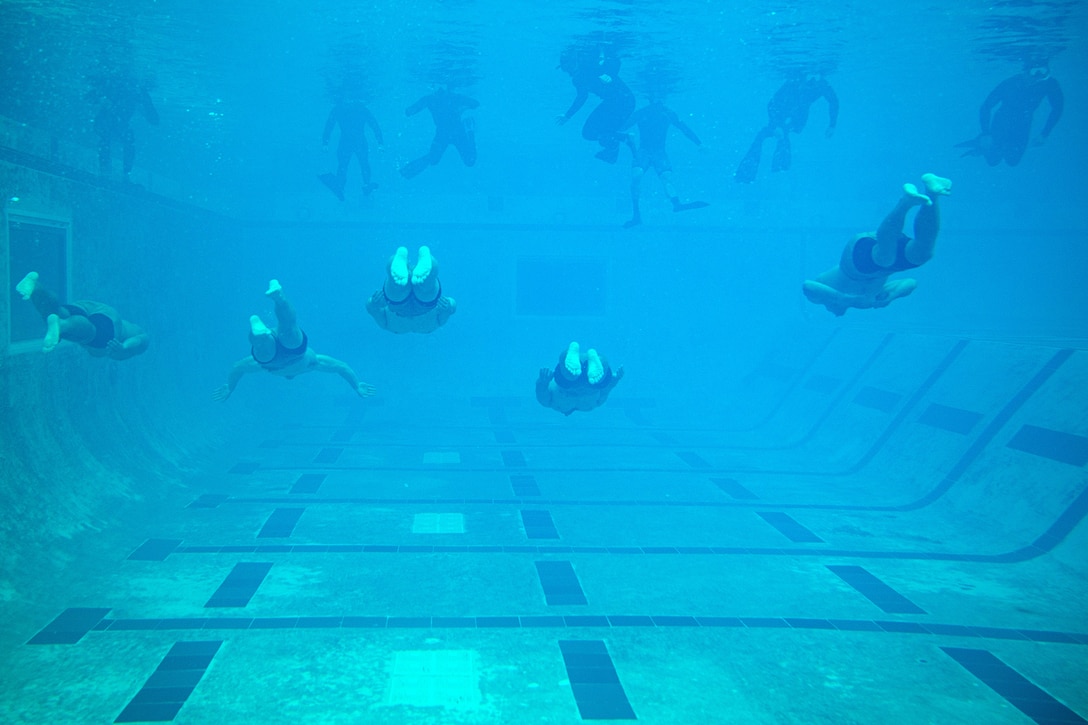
<point x="94" y="325"/>
<point x="120" y="97"/>
<point x="860" y="280"/>
<point x="1006" y="115"/>
<point x="411" y="298"/>
<point x="653" y="123"/>
<point x="580" y="381"/>
<point x="597" y="75"/>
<point x="352" y="117"/>
<point x="787" y="113"/>
<point x="446" y="108"/>
<point x="285" y="351"/>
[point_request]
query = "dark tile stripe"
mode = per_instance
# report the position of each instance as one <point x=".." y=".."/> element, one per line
<point x="789" y="528"/>
<point x="328" y="455"/>
<point x="164" y="693"/>
<point x="1026" y="697"/>
<point x="952" y="419"/>
<point x="663" y="438"/>
<point x="990" y="431"/>
<point x="789" y="389"/>
<point x="524" y="485"/>
<point x="245" y="467"/>
<point x="240" y="585"/>
<point x="733" y="488"/>
<point x="208" y="501"/>
<point x="593" y="681"/>
<point x="1052" y="444"/>
<point x="878" y="399"/>
<point x="775" y="371"/>
<point x="560" y="583"/>
<point x="281" y="523"/>
<point x="308" y="483"/>
<point x="876" y="591"/>
<point x="505" y="437"/>
<point x="608" y="620"/>
<point x="70" y="626"/>
<point x="538" y="524"/>
<point x="155" y="550"/>
<point x="693" y="459"/>
<point x="841" y="395"/>
<point x="901" y="417"/>
<point x="513" y="459"/>
<point x="822" y="383"/>
<point x="343" y="435"/>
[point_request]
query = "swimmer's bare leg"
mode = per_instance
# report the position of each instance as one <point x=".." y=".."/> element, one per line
<point x="261" y="340"/>
<point x="425" y="276"/>
<point x="287" y="329"/>
<point x="927" y="222"/>
<point x="27" y="285"/>
<point x="396" y="281"/>
<point x="572" y="363"/>
<point x="52" y="333"/>
<point x="890" y="230"/>
<point x="594" y="367"/>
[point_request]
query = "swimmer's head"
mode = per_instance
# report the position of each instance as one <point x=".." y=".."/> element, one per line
<point x="568" y="60"/>
<point x="1037" y="69"/>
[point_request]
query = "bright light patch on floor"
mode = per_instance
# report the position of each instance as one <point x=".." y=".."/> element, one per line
<point x="441" y="457"/>
<point x="438" y="524"/>
<point x="435" y="678"/>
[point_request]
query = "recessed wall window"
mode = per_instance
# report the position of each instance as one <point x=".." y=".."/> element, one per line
<point x="35" y="244"/>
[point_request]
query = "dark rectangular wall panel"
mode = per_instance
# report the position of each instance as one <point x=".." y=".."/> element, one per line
<point x="1052" y="444"/>
<point x="560" y="583"/>
<point x="956" y="420"/>
<point x="878" y="399"/>
<point x="594" y="682"/>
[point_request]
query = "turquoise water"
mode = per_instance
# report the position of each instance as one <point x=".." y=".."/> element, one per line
<point x="779" y="516"/>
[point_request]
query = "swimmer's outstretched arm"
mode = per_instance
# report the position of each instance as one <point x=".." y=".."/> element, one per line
<point x="240" y="368"/>
<point x="617" y="375"/>
<point x="376" y="308"/>
<point x="445" y="308"/>
<point x="543" y="394"/>
<point x="135" y="342"/>
<point x="326" y="364"/>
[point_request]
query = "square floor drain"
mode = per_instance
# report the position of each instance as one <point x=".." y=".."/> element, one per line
<point x="435" y="678"/>
<point x="438" y="524"/>
<point x="441" y="457"/>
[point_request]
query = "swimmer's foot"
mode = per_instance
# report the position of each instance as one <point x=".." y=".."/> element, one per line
<point x="27" y="285"/>
<point x="594" y="367"/>
<point x="632" y="222"/>
<point x="398" y="267"/>
<point x="937" y="185"/>
<point x="893" y="290"/>
<point x="257" y="327"/>
<point x="275" y="289"/>
<point x="424" y="264"/>
<point x="573" y="361"/>
<point x="52" y="333"/>
<point x="912" y="196"/>
<point x="678" y="206"/>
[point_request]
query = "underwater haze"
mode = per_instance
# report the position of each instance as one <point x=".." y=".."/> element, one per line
<point x="459" y="361"/>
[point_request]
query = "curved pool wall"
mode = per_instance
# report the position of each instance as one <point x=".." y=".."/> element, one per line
<point x="948" y="467"/>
